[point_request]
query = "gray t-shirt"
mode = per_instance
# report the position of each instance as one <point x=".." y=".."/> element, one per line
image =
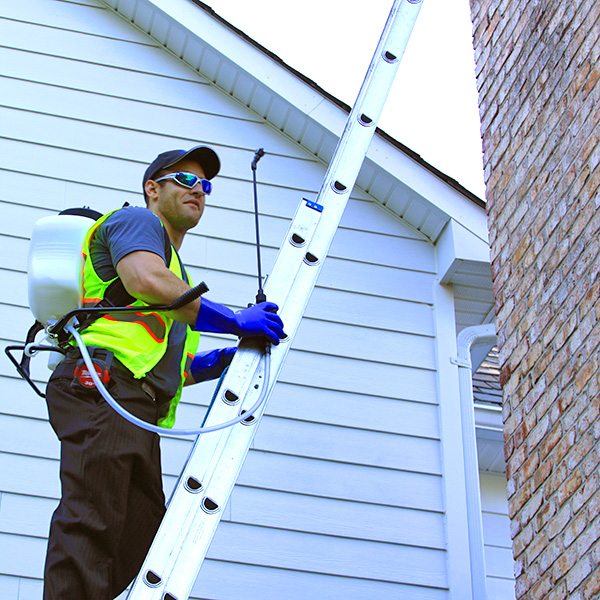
<point x="127" y="230"/>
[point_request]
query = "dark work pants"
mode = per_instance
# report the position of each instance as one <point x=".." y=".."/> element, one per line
<point x="112" y="499"/>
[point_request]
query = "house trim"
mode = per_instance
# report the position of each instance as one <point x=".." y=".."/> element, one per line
<point x="455" y="489"/>
<point x="481" y="334"/>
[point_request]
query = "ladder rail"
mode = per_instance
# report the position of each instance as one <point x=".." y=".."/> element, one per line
<point x="207" y="480"/>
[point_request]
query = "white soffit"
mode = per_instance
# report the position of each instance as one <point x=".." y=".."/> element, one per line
<point x="406" y="185"/>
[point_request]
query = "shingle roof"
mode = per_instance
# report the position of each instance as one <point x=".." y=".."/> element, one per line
<point x="486" y="380"/>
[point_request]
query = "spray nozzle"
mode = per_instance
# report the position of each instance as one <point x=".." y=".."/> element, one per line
<point x="257" y="156"/>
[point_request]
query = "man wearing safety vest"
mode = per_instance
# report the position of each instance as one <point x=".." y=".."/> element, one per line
<point x="112" y="499"/>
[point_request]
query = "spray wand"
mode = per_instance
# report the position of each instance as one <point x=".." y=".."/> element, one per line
<point x="260" y="296"/>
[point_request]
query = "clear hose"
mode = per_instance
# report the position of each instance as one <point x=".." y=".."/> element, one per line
<point x="155" y="428"/>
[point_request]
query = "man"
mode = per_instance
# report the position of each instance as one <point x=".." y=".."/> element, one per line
<point x="112" y="499"/>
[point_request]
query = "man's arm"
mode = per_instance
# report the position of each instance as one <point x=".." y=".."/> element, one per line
<point x="146" y="278"/>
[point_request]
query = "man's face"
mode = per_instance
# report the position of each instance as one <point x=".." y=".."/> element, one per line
<point x="181" y="207"/>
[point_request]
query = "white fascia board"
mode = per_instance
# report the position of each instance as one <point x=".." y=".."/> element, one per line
<point x="425" y="183"/>
<point x="489" y="418"/>
<point x="457" y="246"/>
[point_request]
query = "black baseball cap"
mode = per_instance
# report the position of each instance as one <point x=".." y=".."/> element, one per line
<point x="204" y="156"/>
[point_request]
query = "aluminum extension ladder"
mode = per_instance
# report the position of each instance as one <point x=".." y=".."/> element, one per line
<point x="207" y="480"/>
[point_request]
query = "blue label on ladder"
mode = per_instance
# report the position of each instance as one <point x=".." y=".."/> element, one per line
<point x="313" y="205"/>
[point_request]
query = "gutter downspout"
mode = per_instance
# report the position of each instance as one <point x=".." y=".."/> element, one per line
<point x="464" y="341"/>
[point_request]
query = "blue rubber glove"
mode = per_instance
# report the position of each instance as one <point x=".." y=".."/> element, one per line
<point x="257" y="320"/>
<point x="211" y="364"/>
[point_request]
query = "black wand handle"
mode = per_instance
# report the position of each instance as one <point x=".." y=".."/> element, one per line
<point x="189" y="296"/>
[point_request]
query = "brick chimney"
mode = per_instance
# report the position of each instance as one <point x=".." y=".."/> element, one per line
<point x="538" y="66"/>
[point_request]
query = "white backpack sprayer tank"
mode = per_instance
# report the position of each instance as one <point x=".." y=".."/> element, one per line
<point x="55" y="266"/>
<point x="55" y="263"/>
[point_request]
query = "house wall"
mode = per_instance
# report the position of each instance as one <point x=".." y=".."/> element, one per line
<point x="500" y="580"/>
<point x="342" y="493"/>
<point x="539" y="98"/>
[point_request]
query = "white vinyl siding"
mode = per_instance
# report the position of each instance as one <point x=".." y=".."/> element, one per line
<point x="496" y="535"/>
<point x="341" y="494"/>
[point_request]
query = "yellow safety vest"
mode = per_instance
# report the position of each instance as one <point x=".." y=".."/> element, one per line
<point x="137" y="339"/>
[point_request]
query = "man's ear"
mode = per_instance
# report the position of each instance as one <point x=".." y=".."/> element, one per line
<point x="151" y="189"/>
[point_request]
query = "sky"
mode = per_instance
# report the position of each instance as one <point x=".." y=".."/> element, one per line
<point x="432" y="107"/>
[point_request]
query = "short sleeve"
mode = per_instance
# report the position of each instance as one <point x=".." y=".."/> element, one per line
<point x="127" y="230"/>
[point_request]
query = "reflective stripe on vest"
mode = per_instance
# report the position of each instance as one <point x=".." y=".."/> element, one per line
<point x="152" y="322"/>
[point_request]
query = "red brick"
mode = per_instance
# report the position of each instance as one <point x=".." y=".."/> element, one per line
<point x="567" y="560"/>
<point x="546" y="401"/>
<point x="528" y="578"/>
<point x="523" y="540"/>
<point x="583" y="494"/>
<point x="589" y="416"/>
<point x="596" y="553"/>
<point x="564" y="445"/>
<point x="517" y="501"/>
<point x="579" y="572"/>
<point x="544" y="515"/>
<point x="593" y="506"/>
<point x="590" y="463"/>
<point x="574" y="529"/>
<point x="537" y="433"/>
<point x="590" y="536"/>
<point x="550" y="555"/>
<point x="580" y="450"/>
<point x="542" y="588"/>
<point x="559" y="592"/>
<point x="585" y="373"/>
<point x="530" y="467"/>
<point x="574" y="411"/>
<point x="542" y="474"/>
<point x="569" y="487"/>
<point x="591" y="588"/>
<point x="537" y="545"/>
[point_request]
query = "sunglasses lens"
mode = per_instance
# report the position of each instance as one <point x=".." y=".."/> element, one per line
<point x="189" y="180"/>
<point x="186" y="179"/>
